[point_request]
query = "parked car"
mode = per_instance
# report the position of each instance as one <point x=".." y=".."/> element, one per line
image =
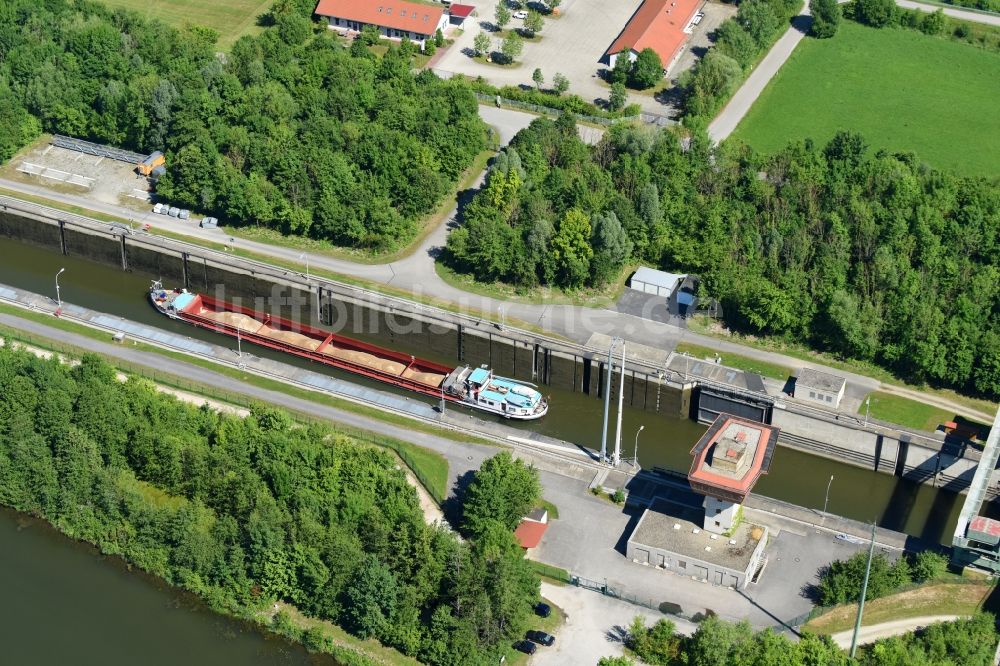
<point x="209" y="223"/>
<point x="543" y="610"/>
<point x="527" y="647"/>
<point x="541" y="638"/>
<point x="184" y="214"/>
<point x="697" y="18"/>
<point x="520" y="15"/>
<point x="174" y="211"/>
<point x="160" y="209"/>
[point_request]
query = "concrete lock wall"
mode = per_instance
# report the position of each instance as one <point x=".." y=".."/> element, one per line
<point x="909" y="455"/>
<point x="560" y="365"/>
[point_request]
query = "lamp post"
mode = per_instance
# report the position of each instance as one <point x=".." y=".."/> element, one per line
<point x="868" y="405"/>
<point x="58" y="297"/>
<point x="864" y="591"/>
<point x="306" y="257"/>
<point x="635" y="451"/>
<point x="617" y="457"/>
<point x="607" y="400"/>
<point x="827" y="500"/>
<point x="500" y="315"/>
<point x="239" y="345"/>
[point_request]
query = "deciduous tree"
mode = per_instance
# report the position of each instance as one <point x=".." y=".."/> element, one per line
<point x="647" y="70"/>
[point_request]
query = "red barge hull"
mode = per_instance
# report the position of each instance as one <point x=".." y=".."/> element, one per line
<point x="354" y="356"/>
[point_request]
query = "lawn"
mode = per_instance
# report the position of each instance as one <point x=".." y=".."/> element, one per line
<point x="958" y="598"/>
<point x="902" y="89"/>
<point x="232" y="18"/>
<point x="906" y="412"/>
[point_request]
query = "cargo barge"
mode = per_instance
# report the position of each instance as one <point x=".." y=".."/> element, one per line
<point x="478" y="388"/>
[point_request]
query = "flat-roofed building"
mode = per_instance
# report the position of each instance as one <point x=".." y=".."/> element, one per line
<point x="821" y="387"/>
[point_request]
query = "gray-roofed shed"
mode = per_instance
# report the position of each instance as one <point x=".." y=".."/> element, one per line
<point x="652" y="281"/>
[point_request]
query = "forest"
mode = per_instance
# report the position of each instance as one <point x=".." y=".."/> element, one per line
<point x="289" y="130"/>
<point x="244" y="511"/>
<point x="870" y="255"/>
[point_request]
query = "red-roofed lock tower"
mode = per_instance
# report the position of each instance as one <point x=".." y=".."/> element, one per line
<point x="728" y="460"/>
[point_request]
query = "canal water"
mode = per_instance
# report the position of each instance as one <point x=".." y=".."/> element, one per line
<point x="916" y="509"/>
<point x="65" y="603"/>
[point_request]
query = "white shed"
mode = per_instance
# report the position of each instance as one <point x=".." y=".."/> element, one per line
<point x="656" y="282"/>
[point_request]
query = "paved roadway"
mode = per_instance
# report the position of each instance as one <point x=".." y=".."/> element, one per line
<point x="584" y="539"/>
<point x="415" y="273"/>
<point x="461" y="457"/>
<point x="729" y="118"/>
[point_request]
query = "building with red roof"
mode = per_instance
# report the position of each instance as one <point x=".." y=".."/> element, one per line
<point x="457" y="13"/>
<point x="661" y="25"/>
<point x="728" y="460"/>
<point x="394" y="19"/>
<point x="529" y="532"/>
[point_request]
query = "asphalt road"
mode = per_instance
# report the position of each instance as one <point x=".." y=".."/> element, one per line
<point x="461" y="457"/>
<point x="416" y="273"/>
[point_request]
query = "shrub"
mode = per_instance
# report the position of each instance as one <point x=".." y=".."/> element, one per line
<point x="876" y="13"/>
<point x="933" y="23"/>
<point x="826" y="18"/>
<point x="928" y="565"/>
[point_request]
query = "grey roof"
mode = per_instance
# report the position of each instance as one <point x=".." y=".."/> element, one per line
<point x="820" y="380"/>
<point x="656" y="530"/>
<point x="659" y="278"/>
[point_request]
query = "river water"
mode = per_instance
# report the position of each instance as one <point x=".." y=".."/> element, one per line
<point x="920" y="510"/>
<point x="65" y="603"/>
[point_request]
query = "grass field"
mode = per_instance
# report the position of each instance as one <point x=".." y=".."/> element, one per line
<point x="959" y="598"/>
<point x="900" y="88"/>
<point x="232" y="18"/>
<point x="906" y="412"/>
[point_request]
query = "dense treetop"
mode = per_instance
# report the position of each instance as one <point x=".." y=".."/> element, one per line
<point x="289" y="130"/>
<point x="871" y="255"/>
<point x="964" y="642"/>
<point x="246" y="511"/>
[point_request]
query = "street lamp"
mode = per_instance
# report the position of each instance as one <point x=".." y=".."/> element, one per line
<point x="827" y="500"/>
<point x="868" y="405"/>
<point x="500" y="314"/>
<point x="58" y="297"/>
<point x="635" y="451"/>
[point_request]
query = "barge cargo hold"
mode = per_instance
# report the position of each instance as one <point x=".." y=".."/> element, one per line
<point x="478" y="388"/>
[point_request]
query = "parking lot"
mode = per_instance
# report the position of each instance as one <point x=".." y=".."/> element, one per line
<point x="98" y="178"/>
<point x="571" y="44"/>
<point x="699" y="42"/>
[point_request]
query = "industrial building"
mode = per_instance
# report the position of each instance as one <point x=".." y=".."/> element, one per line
<point x="712" y="544"/>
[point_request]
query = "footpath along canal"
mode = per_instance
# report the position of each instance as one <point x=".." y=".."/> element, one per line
<point x="919" y="510"/>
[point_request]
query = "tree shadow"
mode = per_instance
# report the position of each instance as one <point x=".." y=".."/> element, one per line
<point x="616" y="634"/>
<point x="672" y="96"/>
<point x="452" y="506"/>
<point x="802" y="23"/>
